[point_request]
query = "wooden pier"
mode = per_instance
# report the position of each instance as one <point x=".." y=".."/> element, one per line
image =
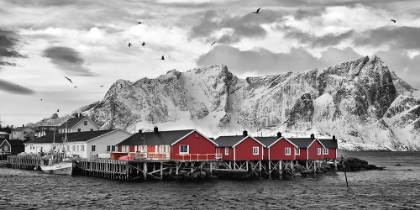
<point x="26" y="162"/>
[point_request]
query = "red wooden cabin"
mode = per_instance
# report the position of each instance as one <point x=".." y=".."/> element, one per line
<point x="309" y="148"/>
<point x="278" y="148"/>
<point x="178" y="145"/>
<point x="240" y="148"/>
<point x="330" y="150"/>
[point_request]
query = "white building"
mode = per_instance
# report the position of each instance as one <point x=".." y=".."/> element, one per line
<point x="85" y="144"/>
<point x="77" y="124"/>
<point x="21" y="132"/>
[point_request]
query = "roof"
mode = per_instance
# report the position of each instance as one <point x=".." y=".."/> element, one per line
<point x="71" y="122"/>
<point x="15" y="142"/>
<point x="329" y="143"/>
<point x="228" y="141"/>
<point x="301" y="142"/>
<point x="71" y="137"/>
<point x="21" y="128"/>
<point x="267" y="141"/>
<point x="152" y="138"/>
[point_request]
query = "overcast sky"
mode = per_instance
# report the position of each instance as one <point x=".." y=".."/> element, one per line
<point x="44" y="41"/>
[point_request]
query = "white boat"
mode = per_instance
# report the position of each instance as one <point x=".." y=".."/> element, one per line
<point x="62" y="168"/>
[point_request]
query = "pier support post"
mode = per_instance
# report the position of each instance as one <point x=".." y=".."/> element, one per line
<point x="280" y="169"/>
<point x="335" y="165"/>
<point x="161" y="170"/>
<point x="145" y="171"/>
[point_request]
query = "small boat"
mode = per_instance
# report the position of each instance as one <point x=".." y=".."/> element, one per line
<point x="62" y="168"/>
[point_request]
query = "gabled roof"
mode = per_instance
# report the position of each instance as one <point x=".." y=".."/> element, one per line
<point x="21" y="128"/>
<point x="303" y="142"/>
<point x="269" y="141"/>
<point x="329" y="143"/>
<point x="15" y="142"/>
<point x="152" y="138"/>
<point x="72" y="137"/>
<point x="228" y="141"/>
<point x="72" y="122"/>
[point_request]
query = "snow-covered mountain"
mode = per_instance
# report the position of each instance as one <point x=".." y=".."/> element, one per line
<point x="361" y="102"/>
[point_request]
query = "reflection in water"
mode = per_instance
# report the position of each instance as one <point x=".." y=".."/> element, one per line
<point x="397" y="187"/>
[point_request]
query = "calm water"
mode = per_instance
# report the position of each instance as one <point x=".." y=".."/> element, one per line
<point x="397" y="187"/>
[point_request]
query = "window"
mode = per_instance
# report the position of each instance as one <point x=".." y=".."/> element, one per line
<point x="78" y="130"/>
<point x="288" y="151"/>
<point x="226" y="150"/>
<point x="326" y="151"/>
<point x="85" y="122"/>
<point x="255" y="150"/>
<point x="142" y="148"/>
<point x="108" y="148"/>
<point x="91" y="129"/>
<point x="162" y="148"/>
<point x="83" y="148"/>
<point x="77" y="147"/>
<point x="297" y="151"/>
<point x="6" y="148"/>
<point x="319" y="151"/>
<point x="113" y="148"/>
<point x="74" y="148"/>
<point x="93" y="148"/>
<point x="183" y="149"/>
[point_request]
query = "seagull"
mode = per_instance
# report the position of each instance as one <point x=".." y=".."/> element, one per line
<point x="258" y="11"/>
<point x="143" y="44"/>
<point x="129" y="44"/>
<point x="213" y="43"/>
<point x="41" y="99"/>
<point x="163" y="58"/>
<point x="101" y="85"/>
<point x="75" y="86"/>
<point x="139" y="22"/>
<point x="58" y="110"/>
<point x="393" y="20"/>
<point x="68" y="79"/>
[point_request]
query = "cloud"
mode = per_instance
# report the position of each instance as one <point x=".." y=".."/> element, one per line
<point x="266" y="62"/>
<point x="68" y="60"/>
<point x="326" y="40"/>
<point x="401" y="37"/>
<point x="8" y="44"/>
<point x="14" y="88"/>
<point x="242" y="26"/>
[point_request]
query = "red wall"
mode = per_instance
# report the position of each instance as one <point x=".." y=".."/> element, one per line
<point x="243" y="151"/>
<point x="302" y="155"/>
<point x="278" y="151"/>
<point x="222" y="151"/>
<point x="331" y="153"/>
<point x="313" y="153"/>
<point x="199" y="147"/>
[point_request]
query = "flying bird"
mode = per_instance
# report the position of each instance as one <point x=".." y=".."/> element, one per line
<point x="393" y="20"/>
<point x="101" y="85"/>
<point x="41" y="99"/>
<point x="75" y="86"/>
<point x="258" y="11"/>
<point x="163" y="57"/>
<point x="143" y="44"/>
<point x="68" y="79"/>
<point x="58" y="110"/>
<point x="213" y="43"/>
<point x="139" y="22"/>
<point x="129" y="44"/>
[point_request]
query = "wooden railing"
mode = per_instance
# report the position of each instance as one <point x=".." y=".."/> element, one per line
<point x="198" y="157"/>
<point x="150" y="155"/>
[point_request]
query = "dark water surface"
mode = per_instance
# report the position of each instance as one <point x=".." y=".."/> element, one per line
<point x="397" y="187"/>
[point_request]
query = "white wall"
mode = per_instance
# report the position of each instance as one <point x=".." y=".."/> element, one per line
<point x="101" y="143"/>
<point x="90" y="125"/>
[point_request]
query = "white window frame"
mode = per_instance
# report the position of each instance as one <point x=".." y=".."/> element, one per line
<point x="226" y="150"/>
<point x="297" y="151"/>
<point x="255" y="150"/>
<point x="287" y="151"/>
<point x="319" y="151"/>
<point x="82" y="148"/>
<point x="6" y="148"/>
<point x="93" y="148"/>
<point x="162" y="149"/>
<point x="184" y="153"/>
<point x="325" y="151"/>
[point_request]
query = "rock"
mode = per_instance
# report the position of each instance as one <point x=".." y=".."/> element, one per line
<point x="356" y="164"/>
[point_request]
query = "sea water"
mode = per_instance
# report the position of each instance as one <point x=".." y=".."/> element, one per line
<point x="397" y="187"/>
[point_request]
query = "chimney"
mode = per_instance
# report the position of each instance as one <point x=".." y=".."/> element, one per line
<point x="23" y="125"/>
<point x="312" y="136"/>
<point x="140" y="131"/>
<point x="334" y="138"/>
<point x="156" y="129"/>
<point x="245" y="133"/>
<point x="278" y="134"/>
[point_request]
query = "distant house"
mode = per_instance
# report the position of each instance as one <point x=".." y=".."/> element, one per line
<point x="77" y="124"/>
<point x="278" y="148"/>
<point x="309" y="148"/>
<point x="176" y="145"/>
<point x="5" y="133"/>
<point x="44" y="130"/>
<point x="85" y="144"/>
<point x="240" y="148"/>
<point x="331" y="146"/>
<point x="21" y="133"/>
<point x="11" y="147"/>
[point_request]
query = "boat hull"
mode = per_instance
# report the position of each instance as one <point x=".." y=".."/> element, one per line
<point x="58" y="168"/>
